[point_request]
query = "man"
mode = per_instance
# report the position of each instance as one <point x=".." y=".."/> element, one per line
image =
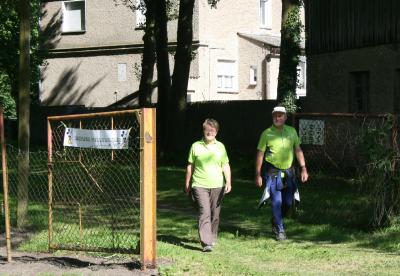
<point x="277" y="145"/>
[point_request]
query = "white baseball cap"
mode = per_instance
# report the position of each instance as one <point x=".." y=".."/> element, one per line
<point x="279" y="109"/>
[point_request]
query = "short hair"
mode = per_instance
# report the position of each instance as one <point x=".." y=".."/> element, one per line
<point x="212" y="123"/>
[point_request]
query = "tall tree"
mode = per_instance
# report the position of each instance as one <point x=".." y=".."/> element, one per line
<point x="180" y="77"/>
<point x="149" y="57"/>
<point x="171" y="97"/>
<point x="23" y="111"/>
<point x="163" y="70"/>
<point x="289" y="53"/>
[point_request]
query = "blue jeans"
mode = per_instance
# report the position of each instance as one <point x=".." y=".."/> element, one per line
<point x="282" y="200"/>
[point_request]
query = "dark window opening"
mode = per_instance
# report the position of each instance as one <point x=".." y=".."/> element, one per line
<point x="359" y="91"/>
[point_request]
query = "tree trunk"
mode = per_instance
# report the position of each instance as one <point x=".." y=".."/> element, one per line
<point x="23" y="114"/>
<point x="163" y="71"/>
<point x="149" y="57"/>
<point x="289" y="50"/>
<point x="180" y="77"/>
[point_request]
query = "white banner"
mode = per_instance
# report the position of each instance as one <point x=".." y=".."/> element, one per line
<point x="96" y="139"/>
<point x="312" y="132"/>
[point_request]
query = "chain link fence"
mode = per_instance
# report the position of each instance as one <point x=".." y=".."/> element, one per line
<point x="94" y="194"/>
<point x="37" y="215"/>
<point x="333" y="143"/>
<point x="78" y="198"/>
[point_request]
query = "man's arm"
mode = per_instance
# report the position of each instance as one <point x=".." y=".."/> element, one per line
<point x="189" y="171"/>
<point x="227" y="174"/>
<point x="259" y="161"/>
<point x="302" y="162"/>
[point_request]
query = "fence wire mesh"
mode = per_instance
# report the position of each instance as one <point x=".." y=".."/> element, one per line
<point x="95" y="193"/>
<point x="333" y="143"/>
<point x="35" y="189"/>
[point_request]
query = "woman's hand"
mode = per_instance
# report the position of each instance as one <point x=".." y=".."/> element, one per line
<point x="187" y="188"/>
<point x="228" y="188"/>
<point x="189" y="171"/>
<point x="227" y="173"/>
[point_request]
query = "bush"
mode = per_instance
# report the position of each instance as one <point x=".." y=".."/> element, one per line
<point x="380" y="176"/>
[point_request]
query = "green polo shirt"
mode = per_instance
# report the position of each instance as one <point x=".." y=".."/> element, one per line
<point x="279" y="146"/>
<point x="208" y="160"/>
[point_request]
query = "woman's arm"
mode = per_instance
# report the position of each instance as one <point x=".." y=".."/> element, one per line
<point x="227" y="174"/>
<point x="189" y="172"/>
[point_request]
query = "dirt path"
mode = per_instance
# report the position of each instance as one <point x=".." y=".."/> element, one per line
<point x="26" y="263"/>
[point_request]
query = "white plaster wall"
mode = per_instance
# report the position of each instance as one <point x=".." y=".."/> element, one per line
<point x="107" y="24"/>
<point x="272" y="78"/>
<point x="218" y="32"/>
<point x="89" y="81"/>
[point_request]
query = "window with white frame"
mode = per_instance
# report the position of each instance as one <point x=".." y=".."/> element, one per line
<point x="253" y="75"/>
<point x="74" y="16"/>
<point x="226" y="75"/>
<point x="266" y="13"/>
<point x="140" y="14"/>
<point x="301" y="78"/>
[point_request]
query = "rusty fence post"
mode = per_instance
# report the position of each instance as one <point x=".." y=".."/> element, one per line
<point x="50" y="180"/>
<point x="5" y="186"/>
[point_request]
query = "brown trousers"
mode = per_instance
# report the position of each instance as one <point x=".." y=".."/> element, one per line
<point x="209" y="203"/>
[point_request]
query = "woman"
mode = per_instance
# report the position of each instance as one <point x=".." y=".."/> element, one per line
<point x="208" y="177"/>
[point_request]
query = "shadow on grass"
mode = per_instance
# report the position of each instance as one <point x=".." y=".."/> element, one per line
<point x="182" y="242"/>
<point x="331" y="210"/>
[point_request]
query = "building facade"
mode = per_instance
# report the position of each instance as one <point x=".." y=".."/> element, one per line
<point x="353" y="56"/>
<point x="94" y="51"/>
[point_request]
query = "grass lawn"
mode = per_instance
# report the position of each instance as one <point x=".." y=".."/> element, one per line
<point x="328" y="235"/>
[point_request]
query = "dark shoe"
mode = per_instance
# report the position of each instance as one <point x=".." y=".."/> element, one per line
<point x="281" y="236"/>
<point x="275" y="229"/>
<point x="207" y="248"/>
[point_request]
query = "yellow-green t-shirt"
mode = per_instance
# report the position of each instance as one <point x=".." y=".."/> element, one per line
<point x="208" y="160"/>
<point x="279" y="146"/>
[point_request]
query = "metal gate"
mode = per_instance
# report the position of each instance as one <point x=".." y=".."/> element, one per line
<point x="96" y="196"/>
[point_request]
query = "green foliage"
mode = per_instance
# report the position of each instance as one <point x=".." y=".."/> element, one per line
<point x="9" y="52"/>
<point x="381" y="177"/>
<point x="290" y="55"/>
<point x="289" y="102"/>
<point x="6" y="100"/>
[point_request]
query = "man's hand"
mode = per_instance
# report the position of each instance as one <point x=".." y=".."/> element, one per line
<point x="259" y="161"/>
<point x="258" y="181"/>
<point x="303" y="174"/>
